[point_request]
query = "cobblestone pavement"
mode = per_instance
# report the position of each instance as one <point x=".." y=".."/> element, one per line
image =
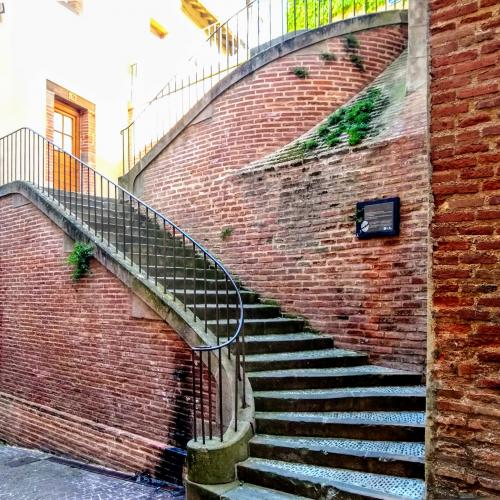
<point x="32" y="475"/>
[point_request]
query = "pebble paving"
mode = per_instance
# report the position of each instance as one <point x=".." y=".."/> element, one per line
<point x="31" y="475"/>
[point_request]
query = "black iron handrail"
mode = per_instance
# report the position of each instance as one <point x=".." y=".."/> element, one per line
<point x="110" y="213"/>
<point x="247" y="33"/>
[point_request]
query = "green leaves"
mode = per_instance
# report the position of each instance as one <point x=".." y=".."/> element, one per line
<point x="300" y="72"/>
<point x="79" y="258"/>
<point x="350" y="123"/>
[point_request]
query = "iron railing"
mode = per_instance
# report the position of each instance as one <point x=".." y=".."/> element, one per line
<point x="158" y="251"/>
<point x="250" y="31"/>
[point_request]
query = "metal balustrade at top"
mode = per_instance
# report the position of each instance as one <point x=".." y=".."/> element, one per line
<point x="159" y="251"/>
<point x="258" y="26"/>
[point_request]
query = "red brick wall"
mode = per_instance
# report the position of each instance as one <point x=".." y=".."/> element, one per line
<point x="78" y="374"/>
<point x="261" y="113"/>
<point x="464" y="454"/>
<point x="292" y="235"/>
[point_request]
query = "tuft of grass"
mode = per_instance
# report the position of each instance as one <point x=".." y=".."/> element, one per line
<point x="300" y="72"/>
<point x="225" y="233"/>
<point x="79" y="258"/>
<point x="310" y="144"/>
<point x="351" y="123"/>
<point x="323" y="130"/>
<point x="328" y="56"/>
<point x="351" y="42"/>
<point x="270" y="302"/>
<point x="357" y="60"/>
<point x="333" y="139"/>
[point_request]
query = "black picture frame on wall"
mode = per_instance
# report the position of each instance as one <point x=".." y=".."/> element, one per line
<point x="377" y="218"/>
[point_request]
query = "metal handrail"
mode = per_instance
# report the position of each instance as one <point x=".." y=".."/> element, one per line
<point x="254" y="28"/>
<point x="27" y="156"/>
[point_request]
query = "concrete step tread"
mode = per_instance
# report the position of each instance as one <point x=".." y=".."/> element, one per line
<point x="330" y="372"/>
<point x="270" y="320"/>
<point x="245" y="306"/>
<point x="357" y="392"/>
<point x="389" y="450"/>
<point x="248" y="491"/>
<point x="361" y="483"/>
<point x="391" y="418"/>
<point x="321" y="353"/>
<point x="285" y="337"/>
<point x="180" y="289"/>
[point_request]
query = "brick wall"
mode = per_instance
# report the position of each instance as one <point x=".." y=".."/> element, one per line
<point x="293" y="235"/>
<point x="261" y="113"/>
<point x="464" y="452"/>
<point x="79" y="375"/>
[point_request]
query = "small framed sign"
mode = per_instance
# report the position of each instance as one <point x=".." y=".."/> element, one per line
<point x="376" y="218"/>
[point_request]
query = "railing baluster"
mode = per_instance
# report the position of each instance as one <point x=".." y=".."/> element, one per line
<point x="237" y="370"/>
<point x="194" y="281"/>
<point x="205" y="289"/>
<point x="210" y="416"/>
<point x="193" y="375"/>
<point x="155" y="249"/>
<point x="185" y="268"/>
<point x="173" y="259"/>
<point x="202" y="402"/>
<point x="139" y="236"/>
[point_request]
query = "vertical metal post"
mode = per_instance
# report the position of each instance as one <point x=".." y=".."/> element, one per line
<point x="194" y="281"/>
<point x="193" y="376"/>
<point x="210" y="416"/>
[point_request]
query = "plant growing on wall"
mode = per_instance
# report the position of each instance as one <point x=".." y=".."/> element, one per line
<point x="79" y="258"/>
<point x="328" y="56"/>
<point x="350" y="123"/>
<point x="226" y="233"/>
<point x="300" y="72"/>
<point x="351" y="42"/>
<point x="310" y="144"/>
<point x="357" y="60"/>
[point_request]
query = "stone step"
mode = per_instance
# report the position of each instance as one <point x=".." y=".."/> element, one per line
<point x="397" y="398"/>
<point x="251" y="311"/>
<point x="270" y="326"/>
<point x="189" y="282"/>
<point x="318" y="482"/>
<point x="367" y="425"/>
<point x="247" y="296"/>
<point x="61" y="195"/>
<point x="156" y="252"/>
<point x="316" y="378"/>
<point x="281" y="343"/>
<point x="112" y="226"/>
<point x="158" y="240"/>
<point x="397" y="458"/>
<point x="252" y="492"/>
<point x="115" y="219"/>
<point x="236" y="491"/>
<point x="324" y="358"/>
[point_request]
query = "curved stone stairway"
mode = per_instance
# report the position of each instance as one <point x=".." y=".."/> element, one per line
<point x="328" y="424"/>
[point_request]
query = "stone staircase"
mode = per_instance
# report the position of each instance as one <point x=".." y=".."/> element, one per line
<point x="328" y="424"/>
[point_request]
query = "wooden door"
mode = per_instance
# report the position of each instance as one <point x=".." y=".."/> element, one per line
<point x="66" y="172"/>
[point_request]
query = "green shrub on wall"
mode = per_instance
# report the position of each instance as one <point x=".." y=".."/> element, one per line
<point x="307" y="14"/>
<point x="79" y="258"/>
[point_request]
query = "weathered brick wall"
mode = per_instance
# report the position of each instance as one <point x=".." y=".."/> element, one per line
<point x="293" y="235"/>
<point x="464" y="452"/>
<point x="79" y="373"/>
<point x="261" y="113"/>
